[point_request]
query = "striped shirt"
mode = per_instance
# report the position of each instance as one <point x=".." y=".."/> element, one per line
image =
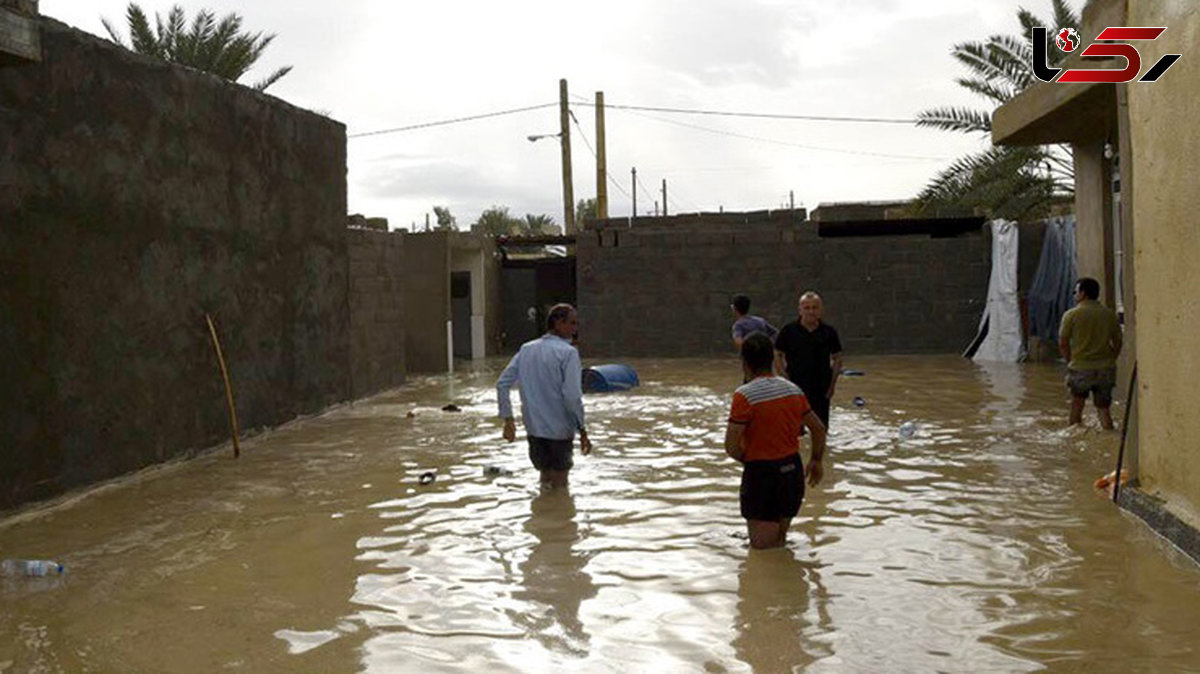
<point x="772" y="409"/>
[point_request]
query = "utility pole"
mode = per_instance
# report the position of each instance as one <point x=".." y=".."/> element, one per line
<point x="656" y="208"/>
<point x="634" y="215"/>
<point x="564" y="119"/>
<point x="601" y="160"/>
<point x="792" y="200"/>
<point x="664" y="197"/>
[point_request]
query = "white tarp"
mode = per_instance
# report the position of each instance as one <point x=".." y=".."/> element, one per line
<point x="1002" y="317"/>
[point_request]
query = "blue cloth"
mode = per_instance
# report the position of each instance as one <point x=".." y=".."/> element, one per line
<point x="747" y="324"/>
<point x="550" y="379"/>
<point x="1052" y="291"/>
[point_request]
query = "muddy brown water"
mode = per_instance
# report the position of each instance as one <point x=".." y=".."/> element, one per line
<point x="977" y="545"/>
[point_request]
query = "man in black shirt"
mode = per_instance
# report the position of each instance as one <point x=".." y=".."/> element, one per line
<point x="809" y="353"/>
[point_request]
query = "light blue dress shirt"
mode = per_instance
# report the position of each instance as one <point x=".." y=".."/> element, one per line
<point x="550" y="379"/>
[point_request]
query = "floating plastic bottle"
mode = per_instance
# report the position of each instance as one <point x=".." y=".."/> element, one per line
<point x="30" y="567"/>
<point x="907" y="430"/>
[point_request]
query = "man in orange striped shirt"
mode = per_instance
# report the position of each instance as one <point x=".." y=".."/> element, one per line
<point x="764" y="434"/>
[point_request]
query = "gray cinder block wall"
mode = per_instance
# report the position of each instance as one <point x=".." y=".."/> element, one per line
<point x="664" y="291"/>
<point x="377" y="323"/>
<point x="135" y="197"/>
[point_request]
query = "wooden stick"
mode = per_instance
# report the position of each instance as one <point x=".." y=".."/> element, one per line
<point x="1124" y="431"/>
<point x="233" y="422"/>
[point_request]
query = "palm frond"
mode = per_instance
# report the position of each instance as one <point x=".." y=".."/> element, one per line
<point x="1065" y="16"/>
<point x="112" y="33"/>
<point x="141" y="36"/>
<point x="217" y="47"/>
<point x="1013" y="56"/>
<point x="1000" y="94"/>
<point x="956" y="119"/>
<point x="272" y="78"/>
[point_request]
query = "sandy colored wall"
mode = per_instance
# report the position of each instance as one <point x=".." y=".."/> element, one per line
<point x="1166" y="160"/>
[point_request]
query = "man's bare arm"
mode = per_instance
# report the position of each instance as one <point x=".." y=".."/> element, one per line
<point x="733" y="440"/>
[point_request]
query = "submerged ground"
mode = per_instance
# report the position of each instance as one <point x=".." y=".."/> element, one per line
<point x="977" y="545"/>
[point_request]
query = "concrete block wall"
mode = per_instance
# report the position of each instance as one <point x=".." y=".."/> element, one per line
<point x="665" y="290"/>
<point x="136" y="197"/>
<point x="377" y="326"/>
<point x="427" y="300"/>
<point x="20" y="39"/>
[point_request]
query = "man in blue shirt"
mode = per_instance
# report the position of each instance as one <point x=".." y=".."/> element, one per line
<point x="744" y="324"/>
<point x="550" y="379"/>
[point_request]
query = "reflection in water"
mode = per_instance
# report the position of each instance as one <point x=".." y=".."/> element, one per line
<point x="775" y="617"/>
<point x="553" y="576"/>
<point x="977" y="544"/>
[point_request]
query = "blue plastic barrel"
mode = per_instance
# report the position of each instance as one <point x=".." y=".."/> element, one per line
<point x="609" y="378"/>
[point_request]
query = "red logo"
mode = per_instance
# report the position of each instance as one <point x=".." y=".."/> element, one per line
<point x="1067" y="39"/>
<point x="1117" y="37"/>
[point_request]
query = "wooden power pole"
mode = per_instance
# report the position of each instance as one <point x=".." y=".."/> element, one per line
<point x="664" y="197"/>
<point x="601" y="161"/>
<point x="564" y="118"/>
<point x="634" y="214"/>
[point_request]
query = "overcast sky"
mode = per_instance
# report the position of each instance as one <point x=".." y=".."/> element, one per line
<point x="381" y="65"/>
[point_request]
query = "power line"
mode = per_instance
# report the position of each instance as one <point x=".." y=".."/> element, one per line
<point x="787" y="143"/>
<point x="455" y="120"/>
<point x="646" y="108"/>
<point x="761" y="115"/>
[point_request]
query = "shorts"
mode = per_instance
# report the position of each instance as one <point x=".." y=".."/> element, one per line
<point x="1099" y="383"/>
<point x="550" y="454"/>
<point x="772" y="490"/>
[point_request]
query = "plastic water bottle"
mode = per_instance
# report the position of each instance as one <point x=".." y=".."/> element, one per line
<point x="907" y="430"/>
<point x="30" y="567"/>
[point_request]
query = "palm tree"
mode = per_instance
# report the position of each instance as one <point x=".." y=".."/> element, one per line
<point x="1006" y="182"/>
<point x="540" y="225"/>
<point x="217" y="47"/>
<point x="497" y="221"/>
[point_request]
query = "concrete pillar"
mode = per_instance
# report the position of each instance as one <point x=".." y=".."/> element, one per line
<point x="1093" y="213"/>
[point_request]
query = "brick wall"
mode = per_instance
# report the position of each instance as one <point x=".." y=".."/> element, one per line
<point x="665" y="290"/>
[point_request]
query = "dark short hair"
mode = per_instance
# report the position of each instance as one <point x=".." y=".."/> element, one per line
<point x="1089" y="286"/>
<point x="558" y="312"/>
<point x="741" y="303"/>
<point x="758" y="352"/>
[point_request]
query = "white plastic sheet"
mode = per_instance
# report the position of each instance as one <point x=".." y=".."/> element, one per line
<point x="1002" y="316"/>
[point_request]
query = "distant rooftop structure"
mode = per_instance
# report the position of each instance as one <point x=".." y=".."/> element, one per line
<point x="843" y="211"/>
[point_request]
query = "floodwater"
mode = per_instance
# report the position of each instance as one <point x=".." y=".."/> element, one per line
<point x="978" y="545"/>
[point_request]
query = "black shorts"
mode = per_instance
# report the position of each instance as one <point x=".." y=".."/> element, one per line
<point x="549" y="454"/>
<point x="772" y="490"/>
